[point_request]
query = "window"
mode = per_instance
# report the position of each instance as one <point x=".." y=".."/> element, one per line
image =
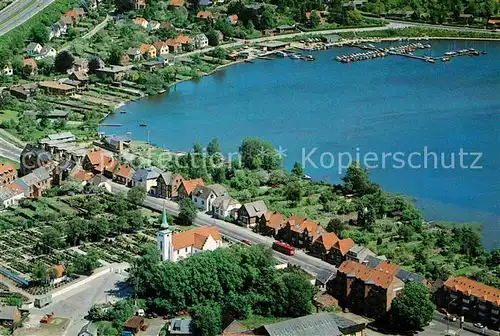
<point x="186" y="249"/>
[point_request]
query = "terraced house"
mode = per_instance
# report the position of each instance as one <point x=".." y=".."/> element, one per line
<point x="474" y="300"/>
<point x="8" y="174"/>
<point x="301" y="232"/>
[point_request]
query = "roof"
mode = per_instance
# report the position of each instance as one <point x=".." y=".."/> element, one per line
<point x="36" y="176"/>
<point x="366" y="274"/>
<point x="145" y="174"/>
<point x="233" y="19"/>
<point x="328" y="239"/>
<point x="160" y="44"/>
<point x="300" y="224"/>
<point x="134" y="322"/>
<point x="360" y="252"/>
<point x="203" y="192"/>
<point x="6" y="169"/>
<point x="176" y="3"/>
<point x="124" y="171"/>
<point x="133" y="51"/>
<point x="8" y="312"/>
<point x="140" y="21"/>
<point x="98" y="179"/>
<point x="324" y="276"/>
<point x="31" y="62"/>
<point x="80" y="75"/>
<point x="181" y="326"/>
<point x="224" y="202"/>
<point x="59" y="270"/>
<point x="32" y="45"/>
<point x="274" y="219"/>
<point x="255" y="209"/>
<point x="189" y="185"/>
<point x="81" y="175"/>
<point x="194" y="237"/>
<point x="406" y="276"/>
<point x="55" y="85"/>
<point x="344" y="245"/>
<point x="101" y="161"/>
<point x="315" y="324"/>
<point x="273" y="44"/>
<point x="8" y="193"/>
<point x="89" y="329"/>
<point x="467" y="286"/>
<point x="204" y="15"/>
<point x="144" y="48"/>
<point x="218" y="189"/>
<point x="116" y="139"/>
<point x="388" y="268"/>
<point x="372" y="261"/>
<point x="344" y="322"/>
<point x="61" y="136"/>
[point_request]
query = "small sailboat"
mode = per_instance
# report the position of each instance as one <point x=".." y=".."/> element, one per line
<point x="294" y="56"/>
<point x="445" y="59"/>
<point x="143" y="125"/>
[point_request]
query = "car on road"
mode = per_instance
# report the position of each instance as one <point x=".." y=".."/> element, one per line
<point x="479" y="325"/>
<point x="247" y="242"/>
<point x="450" y="317"/>
<point x="443" y="311"/>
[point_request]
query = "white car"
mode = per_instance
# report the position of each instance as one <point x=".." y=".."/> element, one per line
<point x="479" y="325"/>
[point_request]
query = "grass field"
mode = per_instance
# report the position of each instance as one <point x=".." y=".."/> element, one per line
<point x="5" y="160"/>
<point x="8" y="115"/>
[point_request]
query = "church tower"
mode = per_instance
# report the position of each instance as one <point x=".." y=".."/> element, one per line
<point x="164" y="238"/>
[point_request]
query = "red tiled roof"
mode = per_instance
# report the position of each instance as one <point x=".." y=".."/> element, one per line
<point x="124" y="171"/>
<point x="189" y="185"/>
<point x="176" y="3"/>
<point x="7" y="170"/>
<point x="31" y="62"/>
<point x="344" y="245"/>
<point x="101" y="161"/>
<point x="233" y="19"/>
<point x="194" y="237"/>
<point x="274" y="219"/>
<point x="467" y="286"/>
<point x="494" y="21"/>
<point x="59" y="270"/>
<point x="144" y="48"/>
<point x="71" y="13"/>
<point x="388" y="268"/>
<point x="14" y="187"/>
<point x="300" y="224"/>
<point x="81" y="175"/>
<point x="204" y="15"/>
<point x="328" y="239"/>
<point x="140" y="21"/>
<point x="366" y="274"/>
<point x="158" y="45"/>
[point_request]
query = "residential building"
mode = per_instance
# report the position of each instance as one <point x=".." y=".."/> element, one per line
<point x="80" y="65"/>
<point x="359" y="253"/>
<point x="90" y="329"/>
<point x="233" y="327"/>
<point x="200" y="41"/>
<point x="56" y="88"/>
<point x="286" y="29"/>
<point x="8" y="70"/>
<point x="115" y="73"/>
<point x="9" y="315"/>
<point x="59" y="274"/>
<point x="23" y="91"/>
<point x="80" y="76"/>
<point x="161" y="48"/>
<point x="141" y="22"/>
<point x="46" y="51"/>
<point x="98" y="162"/>
<point x="177" y="246"/>
<point x="32" y="157"/>
<point x="270" y="223"/>
<point x="35" y="183"/>
<point x="140" y="4"/>
<point x="134" y="324"/>
<point x="66" y="20"/>
<point x="100" y="181"/>
<point x="33" y="48"/>
<point x="364" y="290"/>
<point x="147" y="50"/>
<point x="322" y="324"/>
<point x="116" y="143"/>
<point x="10" y="196"/>
<point x="134" y="54"/>
<point x="250" y="213"/>
<point x="58" y="29"/>
<point x="180" y="326"/>
<point x="154" y="25"/>
<point x="351" y="324"/>
<point x="232" y="19"/>
<point x="224" y="207"/>
<point x="146" y="178"/>
<point x="175" y="3"/>
<point x="474" y="300"/>
<point x="124" y="174"/>
<point x="205" y="15"/>
<point x="31" y="64"/>
<point x="187" y="186"/>
<point x="8" y="173"/>
<point x="337" y="254"/>
<point x="168" y="184"/>
<point x="322" y="246"/>
<point x="176" y="44"/>
<point x="323" y="278"/>
<point x="301" y="232"/>
<point x="81" y="175"/>
<point x="203" y="196"/>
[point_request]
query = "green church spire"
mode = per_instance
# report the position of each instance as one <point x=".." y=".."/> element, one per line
<point x="164" y="222"/>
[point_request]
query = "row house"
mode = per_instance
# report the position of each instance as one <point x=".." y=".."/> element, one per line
<point x="187" y="187"/>
<point x="250" y="213"/>
<point x="270" y="223"/>
<point x="161" y="48"/>
<point x="8" y="173"/>
<point x="167" y="185"/>
<point x="301" y="232"/>
<point x="35" y="183"/>
<point x="99" y="162"/>
<point x="473" y="300"/>
<point x="177" y="44"/>
<point x="364" y="290"/>
<point x="147" y="51"/>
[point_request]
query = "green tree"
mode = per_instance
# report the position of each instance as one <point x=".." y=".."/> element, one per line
<point x="50" y="239"/>
<point x="297" y="169"/>
<point x="256" y="153"/>
<point x="414" y="309"/>
<point x="94" y="64"/>
<point x="293" y="191"/>
<point x="188" y="211"/>
<point x="115" y="54"/>
<point x="125" y="5"/>
<point x="40" y="271"/>
<point x="366" y="218"/>
<point x="354" y="17"/>
<point x="63" y="61"/>
<point x="357" y="181"/>
<point x="267" y="19"/>
<point x="98" y="228"/>
<point x="207" y="319"/>
<point x="39" y="33"/>
<point x="213" y="38"/>
<point x="299" y="293"/>
<point x="336" y="225"/>
<point x="136" y="195"/>
<point x="213" y="147"/>
<point x="315" y="19"/>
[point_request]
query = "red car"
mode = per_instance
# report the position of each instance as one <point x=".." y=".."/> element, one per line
<point x="247" y="242"/>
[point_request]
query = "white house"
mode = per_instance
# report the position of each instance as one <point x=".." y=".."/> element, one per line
<point x="204" y="196"/>
<point x="46" y="52"/>
<point x="161" y="48"/>
<point x="146" y="178"/>
<point x="223" y="206"/>
<point x="8" y="70"/>
<point x="10" y="197"/>
<point x="177" y="246"/>
<point x="100" y="181"/>
<point x="33" y="48"/>
<point x="200" y="41"/>
<point x="154" y="25"/>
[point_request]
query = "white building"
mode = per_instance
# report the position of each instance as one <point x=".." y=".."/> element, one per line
<point x="46" y="52"/>
<point x="200" y="41"/>
<point x="204" y="196"/>
<point x="223" y="206"/>
<point x="177" y="246"/>
<point x="10" y="197"/>
<point x="146" y="178"/>
<point x="33" y="48"/>
<point x="8" y="70"/>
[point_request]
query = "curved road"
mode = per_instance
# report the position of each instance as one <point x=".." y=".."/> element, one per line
<point x="9" y="151"/>
<point x="19" y="12"/>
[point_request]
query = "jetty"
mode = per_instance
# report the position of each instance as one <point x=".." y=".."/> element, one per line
<point x="111" y="125"/>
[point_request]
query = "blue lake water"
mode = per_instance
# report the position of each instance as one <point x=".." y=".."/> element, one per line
<point x="382" y="106"/>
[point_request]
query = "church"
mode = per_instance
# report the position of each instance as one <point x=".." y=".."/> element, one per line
<point x="177" y="246"/>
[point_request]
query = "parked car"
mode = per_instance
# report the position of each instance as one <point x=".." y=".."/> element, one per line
<point x="479" y="325"/>
<point x="443" y="311"/>
<point x="247" y="242"/>
<point x="450" y="317"/>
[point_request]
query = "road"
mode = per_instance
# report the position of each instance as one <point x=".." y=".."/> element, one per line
<point x="19" y="12"/>
<point x="466" y="325"/>
<point x="310" y="264"/>
<point x="9" y="151"/>
<point x="429" y="25"/>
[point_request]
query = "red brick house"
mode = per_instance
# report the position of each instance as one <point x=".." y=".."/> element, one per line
<point x="301" y="232"/>
<point x="8" y="173"/>
<point x="270" y="223"/>
<point x="187" y="186"/>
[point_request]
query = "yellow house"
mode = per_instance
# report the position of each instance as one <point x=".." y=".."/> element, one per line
<point x="148" y="50"/>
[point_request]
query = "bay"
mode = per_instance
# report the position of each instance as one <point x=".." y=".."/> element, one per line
<point x="387" y="105"/>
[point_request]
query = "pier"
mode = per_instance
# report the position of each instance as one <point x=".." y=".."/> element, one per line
<point x="111" y="125"/>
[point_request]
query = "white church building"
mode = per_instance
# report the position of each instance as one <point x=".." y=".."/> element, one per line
<point x="177" y="246"/>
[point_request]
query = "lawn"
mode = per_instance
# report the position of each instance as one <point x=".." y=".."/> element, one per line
<point x="257" y="321"/>
<point x="8" y="115"/>
<point x="5" y="160"/>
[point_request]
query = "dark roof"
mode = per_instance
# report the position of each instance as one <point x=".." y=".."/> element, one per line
<point x="7" y="312"/>
<point x="90" y="329"/>
<point x="372" y="261"/>
<point x="316" y="324"/>
<point x="181" y="326"/>
<point x="98" y="179"/>
<point x="135" y="322"/>
<point x="146" y="174"/>
<point x="409" y="276"/>
<point x="257" y="208"/>
<point x="324" y="276"/>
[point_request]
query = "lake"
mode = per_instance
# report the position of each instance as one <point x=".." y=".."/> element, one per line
<point x="319" y="110"/>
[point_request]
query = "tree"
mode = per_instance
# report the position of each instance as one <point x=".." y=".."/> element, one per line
<point x="40" y="272"/>
<point x="405" y="232"/>
<point x="297" y="169"/>
<point x="188" y="211"/>
<point x="213" y="147"/>
<point x="354" y="17"/>
<point x="356" y="181"/>
<point x="136" y="195"/>
<point x="315" y="19"/>
<point x="267" y="19"/>
<point x="51" y="239"/>
<point x="64" y="61"/>
<point x="219" y="53"/>
<point x="94" y="64"/>
<point x="98" y="228"/>
<point x="293" y="191"/>
<point x="207" y="319"/>
<point x="213" y="38"/>
<point x="256" y="153"/>
<point x="115" y="54"/>
<point x="125" y="5"/>
<point x="39" y="33"/>
<point x="299" y="293"/>
<point x="414" y="309"/>
<point x="336" y="225"/>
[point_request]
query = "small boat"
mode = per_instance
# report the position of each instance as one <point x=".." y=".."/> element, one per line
<point x="306" y="177"/>
<point x="427" y="46"/>
<point x="123" y="112"/>
<point x="445" y="59"/>
<point x="484" y="52"/>
<point x="294" y="56"/>
<point x="309" y="58"/>
<point x="248" y="61"/>
<point x="430" y="60"/>
<point x="143" y="125"/>
<point x="280" y="54"/>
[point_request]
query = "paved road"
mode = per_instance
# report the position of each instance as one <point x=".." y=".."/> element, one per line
<point x="428" y="25"/>
<point x="311" y="264"/>
<point x="19" y="12"/>
<point x="466" y="325"/>
<point x="9" y="151"/>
